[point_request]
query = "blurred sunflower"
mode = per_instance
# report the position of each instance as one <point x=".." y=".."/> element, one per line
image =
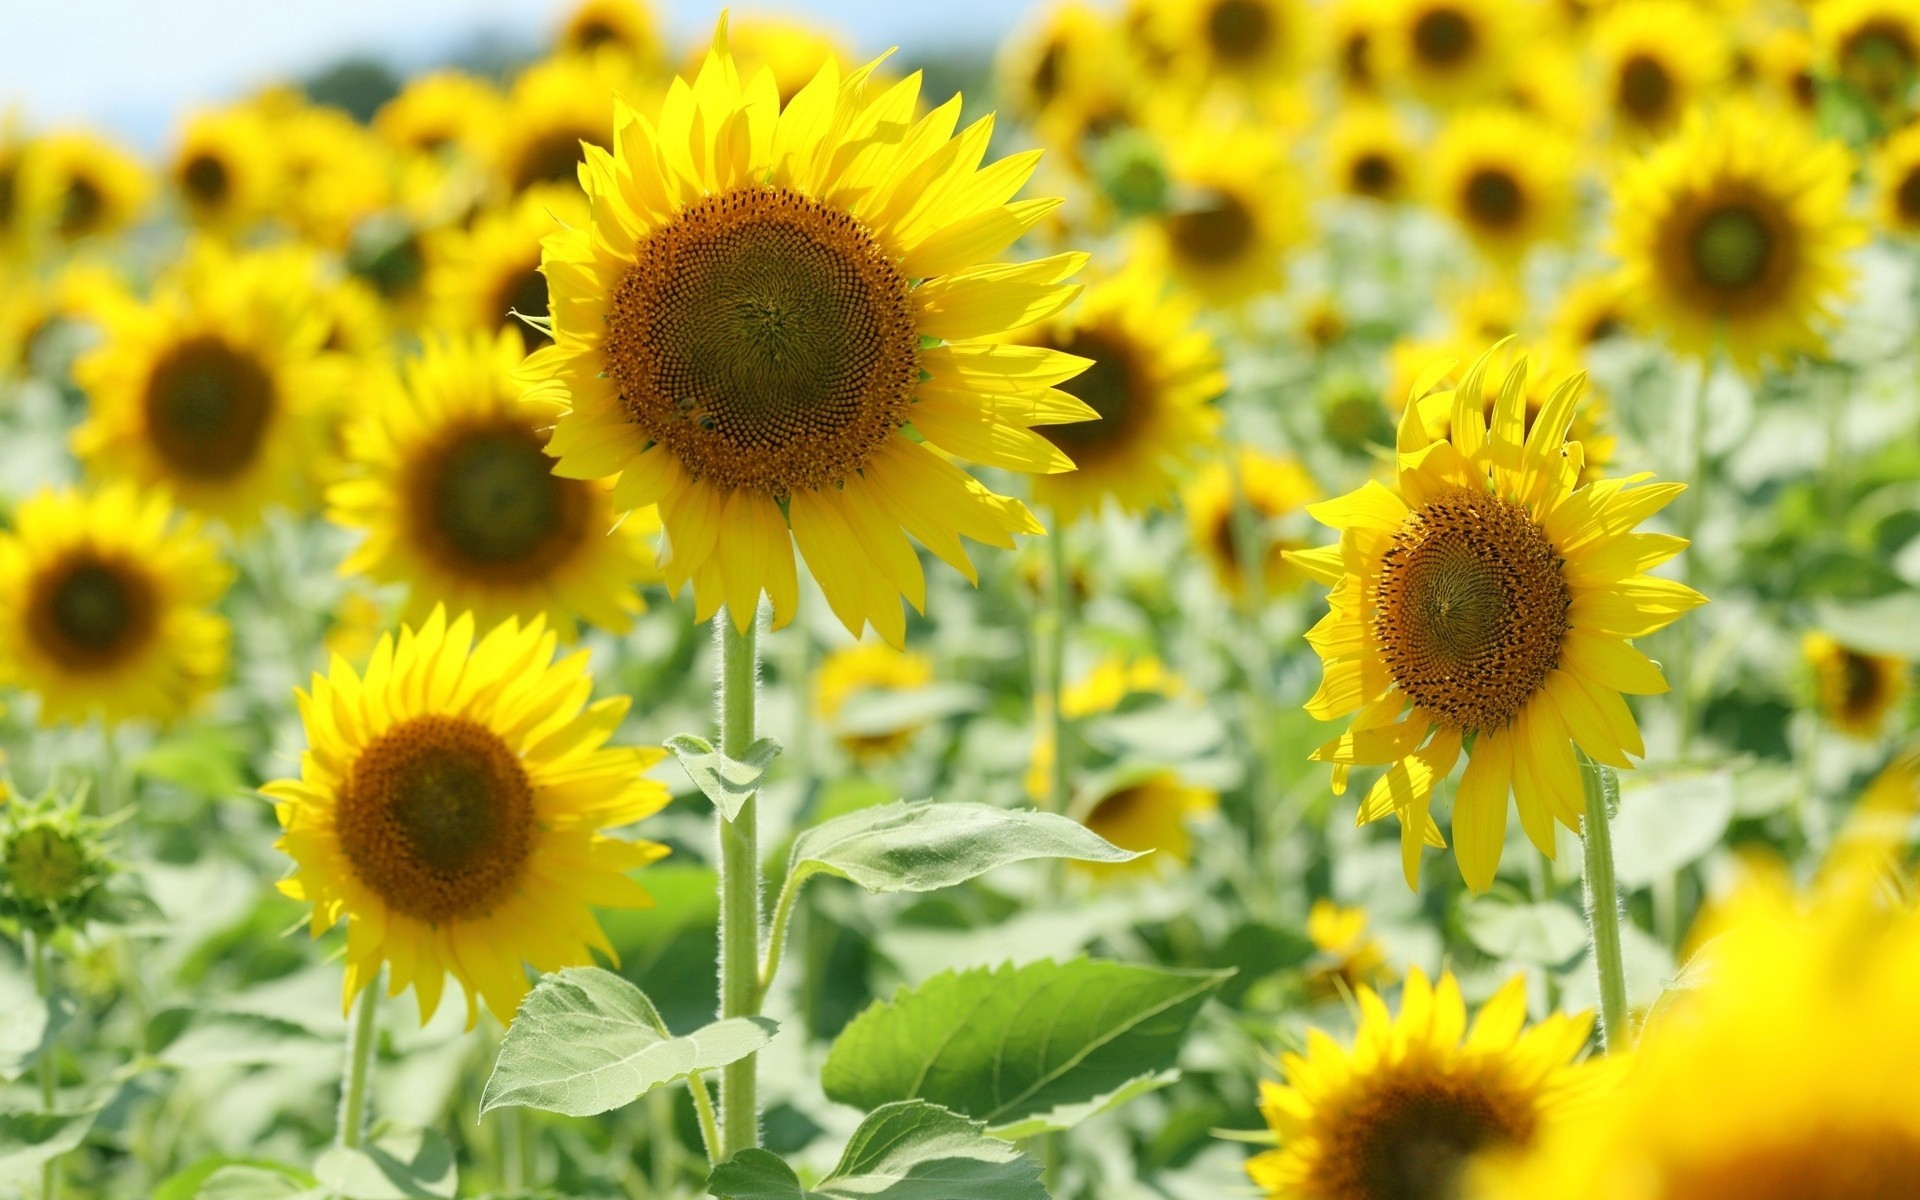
<point x="1783" y="66"/>
<point x="1255" y="44"/>
<point x="335" y="173"/>
<point x="1592" y="309"/>
<point x="1368" y="155"/>
<point x="214" y="390"/>
<point x="487" y="275"/>
<point x="450" y="807"/>
<point x="440" y="113"/>
<point x="1113" y="681"/>
<point x="106" y="606"/>
<point x="78" y="185"/>
<point x="225" y="169"/>
<point x="1402" y="1112"/>
<point x="1872" y="46"/>
<point x="1354" y="31"/>
<point x="451" y="482"/>
<point x="1896" y="182"/>
<point x="1483" y="598"/>
<point x="793" y="51"/>
<point x="864" y="669"/>
<point x="552" y="109"/>
<point x="13" y="208"/>
<point x="1505" y="178"/>
<point x="625" y="28"/>
<point x="1855" y="690"/>
<point x="1153" y="377"/>
<point x="1148" y="813"/>
<point x="1658" y="60"/>
<point x="1276" y="487"/>
<point x="1734" y="233"/>
<point x="1348" y="958"/>
<point x="1449" y="52"/>
<point x="1236" y="211"/>
<point x="745" y="349"/>
<point x="1042" y="67"/>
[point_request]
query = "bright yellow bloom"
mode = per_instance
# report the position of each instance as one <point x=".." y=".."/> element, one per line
<point x="553" y="110"/>
<point x="863" y="669"/>
<point x="1354" y="31"/>
<point x="335" y="173"/>
<point x="1856" y="690"/>
<point x="1349" y="958"/>
<point x="1896" y="182"/>
<point x="106" y="606"/>
<point x="1402" y="1112"/>
<point x="1482" y="596"/>
<point x="1253" y="44"/>
<point x="78" y="185"/>
<point x="1276" y="488"/>
<point x="1368" y="155"/>
<point x="1593" y="309"/>
<point x="1658" y="60"/>
<point x="226" y="169"/>
<point x="1451" y="52"/>
<point x="1546" y="371"/>
<point x="1237" y="210"/>
<point x="793" y="51"/>
<point x="487" y="274"/>
<point x="1148" y="813"/>
<point x="741" y="338"/>
<point x="1113" y="681"/>
<point x="1505" y="178"/>
<point x="449" y="808"/>
<point x="622" y="28"/>
<point x="441" y="113"/>
<point x="1873" y="46"/>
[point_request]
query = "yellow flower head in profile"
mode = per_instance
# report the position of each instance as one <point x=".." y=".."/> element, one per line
<point x="1505" y="178"/>
<point x="766" y="300"/>
<point x="214" y="389"/>
<point x="451" y="482"/>
<point x="1148" y="813"/>
<point x="225" y="169"/>
<point x="1349" y="958"/>
<point x="441" y="113"/>
<point x="1593" y="309"/>
<point x="1045" y="66"/>
<point x="1276" y="487"/>
<point x="1856" y="690"/>
<point x="868" y="669"/>
<point x="77" y="185"/>
<point x="1450" y="52"/>
<point x="486" y="275"/>
<point x="1236" y="210"/>
<point x="1658" y="60"/>
<point x="106" y="606"/>
<point x="1896" y="182"/>
<point x="1783" y="63"/>
<point x="1481" y="598"/>
<point x="554" y="108"/>
<point x="1154" y="376"/>
<point x="625" y="28"/>
<point x="1734" y="232"/>
<point x="1873" y="46"/>
<point x="450" y="808"/>
<point x="1367" y="154"/>
<point x="1402" y="1113"/>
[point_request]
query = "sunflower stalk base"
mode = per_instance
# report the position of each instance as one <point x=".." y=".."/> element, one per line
<point x="1603" y="907"/>
<point x="361" y="1036"/>
<point x="739" y="858"/>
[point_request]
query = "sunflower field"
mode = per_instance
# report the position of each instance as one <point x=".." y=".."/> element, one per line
<point x="1307" y="599"/>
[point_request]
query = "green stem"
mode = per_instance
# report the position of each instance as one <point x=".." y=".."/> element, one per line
<point x="777" y="931"/>
<point x="703" y="1107"/>
<point x="516" y="1149"/>
<point x="361" y="1036"/>
<point x="1059" y="615"/>
<point x="49" y="1080"/>
<point x="663" y="1142"/>
<point x="1603" y="911"/>
<point x="1274" y="817"/>
<point x="739" y="885"/>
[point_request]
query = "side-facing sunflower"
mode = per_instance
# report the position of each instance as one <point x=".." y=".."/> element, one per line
<point x="1873" y="46"/>
<point x="1507" y="179"/>
<point x="78" y="185"/>
<point x="225" y="169"/>
<point x="1154" y="376"/>
<point x="1735" y="232"/>
<point x="1367" y="155"/>
<point x="1253" y="44"/>
<point x="867" y="669"/>
<point x="1235" y="211"/>
<point x="449" y="477"/>
<point x="335" y="173"/>
<point x="1483" y="604"/>
<point x="215" y="389"/>
<point x="1450" y="52"/>
<point x="1855" y="690"/>
<point x="1147" y="812"/>
<point x="1347" y="957"/>
<point x="487" y="274"/>
<point x="1402" y="1113"/>
<point x="552" y="109"/>
<point x="1276" y="487"/>
<point x="1592" y="309"/>
<point x="766" y="299"/>
<point x="441" y="113"/>
<point x="1354" y="31"/>
<point x="1896" y="182"/>
<point x="450" y="808"/>
<point x="106" y="606"/>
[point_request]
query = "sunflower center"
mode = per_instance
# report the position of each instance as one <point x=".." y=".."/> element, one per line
<point x="1731" y="248"/>
<point x="766" y="339"/>
<point x="1443" y="37"/>
<point x="207" y="408"/>
<point x="1829" y="1164"/>
<point x="205" y="178"/>
<point x="552" y="157"/>
<point x="592" y="34"/>
<point x="1645" y="88"/>
<point x="1109" y="387"/>
<point x="1356" y="59"/>
<point x="81" y="207"/>
<point x="488" y="504"/>
<point x="1878" y="58"/>
<point x="1046" y="74"/>
<point x="90" y="613"/>
<point x="1907" y="197"/>
<point x="437" y="818"/>
<point x="1214" y="233"/>
<point x="1374" y="174"/>
<point x="1859" y="682"/>
<point x="1472" y="608"/>
<point x="1493" y="198"/>
<point x="525" y="294"/>
<point x="9" y="187"/>
<point x="1239" y="31"/>
<point x="1411" y="1138"/>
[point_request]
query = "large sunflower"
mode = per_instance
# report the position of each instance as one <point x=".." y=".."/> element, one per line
<point x="225" y="169"/>
<point x="215" y="389"/>
<point x="1482" y="599"/>
<point x="453" y="486"/>
<point x="77" y="185"/>
<point x="1235" y="212"/>
<point x="1402" y="1112"/>
<point x="487" y="275"/>
<point x="1505" y="178"/>
<point x="1154" y="376"/>
<point x="106" y="606"/>
<point x="766" y="301"/>
<point x="1855" y="689"/>
<point x="1658" y="60"/>
<point x="1734" y="233"/>
<point x="450" y="805"/>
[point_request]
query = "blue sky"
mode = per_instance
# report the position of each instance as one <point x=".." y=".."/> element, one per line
<point x="132" y="66"/>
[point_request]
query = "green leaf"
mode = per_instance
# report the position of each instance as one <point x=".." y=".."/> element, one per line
<point x="1548" y="934"/>
<point x="586" y="1041"/>
<point x="255" y="1181"/>
<point x="905" y="1151"/>
<point x="1666" y="822"/>
<point x="1066" y="1116"/>
<point x="190" y="1182"/>
<point x="29" y="1139"/>
<point x="1007" y="1045"/>
<point x="725" y="781"/>
<point x="28" y="1022"/>
<point x="238" y="1039"/>
<point x="921" y="846"/>
<point x="398" y="1162"/>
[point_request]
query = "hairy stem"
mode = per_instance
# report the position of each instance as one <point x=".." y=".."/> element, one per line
<point x="1603" y="911"/>
<point x="361" y="1036"/>
<point x="739" y="885"/>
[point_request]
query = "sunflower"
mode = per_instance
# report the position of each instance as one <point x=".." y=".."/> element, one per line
<point x="868" y="669"/>
<point x="1043" y="68"/>
<point x="1402" y="1112"/>
<point x="451" y="481"/>
<point x="1483" y="597"/>
<point x="1592" y="309"/>
<point x="1783" y="64"/>
<point x="1550" y="85"/>
<point x="1347" y="957"/>
<point x="553" y="110"/>
<point x="1896" y="179"/>
<point x="78" y="185"/>
<point x="1154" y="376"/>
<point x="623" y="28"/>
<point x="743" y="341"/>
<point x="1236" y="211"/>
<point x="215" y="389"/>
<point x="1367" y="154"/>
<point x="1147" y="812"/>
<point x="1254" y="44"/>
<point x="1658" y="59"/>
<point x="1734" y="233"/>
<point x="1450" y="51"/>
<point x="13" y="202"/>
<point x="1506" y="179"/>
<point x="1114" y="680"/>
<point x="334" y="172"/>
<point x="441" y="113"/>
<point x="1435" y="398"/>
<point x="793" y="51"/>
<point x="106" y="607"/>
<point x="1873" y="46"/>
<point x="1276" y="488"/>
<point x="487" y="275"/>
<point x="1856" y="690"/>
<point x="1354" y="31"/>
<point x="225" y="169"/>
<point x="450" y="806"/>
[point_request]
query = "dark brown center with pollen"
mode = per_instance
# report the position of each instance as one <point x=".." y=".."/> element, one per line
<point x="524" y="294"/>
<point x="90" y="613"/>
<point x="1110" y="387"/>
<point x="552" y="157"/>
<point x="437" y="817"/>
<point x="1374" y="174"/>
<point x="1214" y="233"/>
<point x="1472" y="608"/>
<point x="1443" y="37"/>
<point x="1730" y="251"/>
<point x="486" y="504"/>
<point x="1493" y="199"/>
<point x="207" y="408"/>
<point x="766" y="339"/>
<point x="593" y="34"/>
<point x="1356" y="59"/>
<point x="1878" y="58"/>
<point x="1239" y="32"/>
<point x="1412" y="1138"/>
<point x="1731" y="246"/>
<point x="1645" y="89"/>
